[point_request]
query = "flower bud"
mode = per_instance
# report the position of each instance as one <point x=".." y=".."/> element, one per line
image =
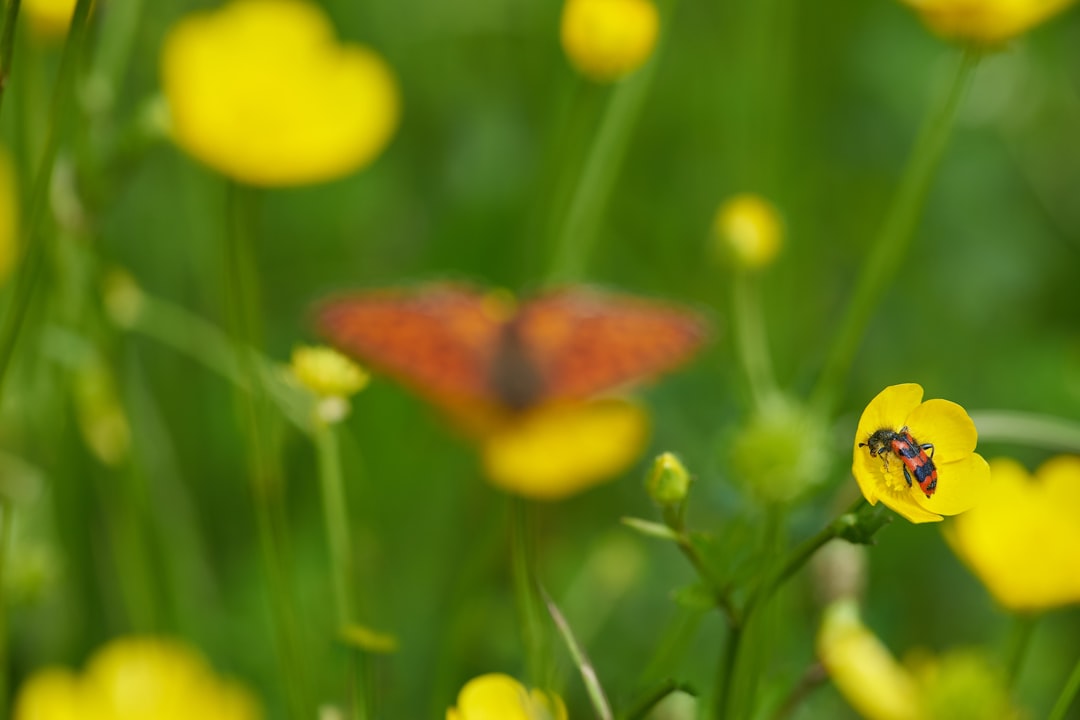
<point x="668" y="482"/>
<point x="781" y="452"/>
<point x="327" y="373"/>
<point x="607" y="39"/>
<point x="748" y="230"/>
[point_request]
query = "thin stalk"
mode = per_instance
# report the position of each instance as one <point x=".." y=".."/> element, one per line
<point x="7" y="43"/>
<point x="7" y="517"/>
<point x="1041" y="431"/>
<point x="1068" y="694"/>
<point x="526" y="590"/>
<point x="1019" y="641"/>
<point x="750" y="341"/>
<point x="339" y="541"/>
<point x="726" y="670"/>
<point x="585" y="667"/>
<point x="890" y="245"/>
<point x="578" y="235"/>
<point x="33" y="244"/>
<point x="264" y="475"/>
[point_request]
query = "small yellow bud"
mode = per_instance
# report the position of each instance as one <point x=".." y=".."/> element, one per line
<point x="326" y="372"/>
<point x="668" y="482"/>
<point x="607" y="39"/>
<point x="748" y="229"/>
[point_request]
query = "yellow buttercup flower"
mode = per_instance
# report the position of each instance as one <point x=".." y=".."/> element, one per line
<point x="133" y="679"/>
<point x="748" y="229"/>
<point x="500" y="697"/>
<point x="556" y="451"/>
<point x="607" y="39"/>
<point x="9" y="216"/>
<point x="962" y="474"/>
<point x="863" y="669"/>
<point x="261" y="91"/>
<point x="1023" y="540"/>
<point x="985" y="22"/>
<point x="326" y="372"/>
<point x="48" y="18"/>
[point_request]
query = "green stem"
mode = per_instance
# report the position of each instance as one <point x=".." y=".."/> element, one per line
<point x="264" y="473"/>
<point x="34" y="242"/>
<point x="1068" y="694"/>
<point x="585" y="667"/>
<point x="7" y="43"/>
<point x="579" y="233"/>
<point x="1019" y="642"/>
<point x="339" y="541"/>
<point x="1041" y="431"/>
<point x="7" y="517"/>
<point x="526" y="589"/>
<point x="726" y="670"/>
<point x="750" y="341"/>
<point x="890" y="246"/>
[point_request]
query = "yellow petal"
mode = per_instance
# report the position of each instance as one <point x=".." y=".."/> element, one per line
<point x="907" y="505"/>
<point x="961" y="486"/>
<point x="500" y="697"/>
<point x="607" y="39"/>
<point x="261" y="91"/>
<point x="49" y="18"/>
<point x="986" y="22"/>
<point x="889" y="409"/>
<point x="947" y="426"/>
<point x="863" y="669"/>
<point x="51" y="694"/>
<point x="1021" y="540"/>
<point x="560" y="450"/>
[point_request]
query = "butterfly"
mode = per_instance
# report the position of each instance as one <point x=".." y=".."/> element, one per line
<point x="468" y="350"/>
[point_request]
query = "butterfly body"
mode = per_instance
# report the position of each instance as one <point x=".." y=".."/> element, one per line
<point x="462" y="348"/>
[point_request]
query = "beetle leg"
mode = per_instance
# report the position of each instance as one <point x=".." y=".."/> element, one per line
<point x="928" y="446"/>
<point x="907" y="476"/>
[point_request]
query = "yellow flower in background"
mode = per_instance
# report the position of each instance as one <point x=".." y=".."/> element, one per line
<point x="607" y="39"/>
<point x="985" y="22"/>
<point x="962" y="475"/>
<point x="961" y="684"/>
<point x="326" y="372"/>
<point x="748" y="229"/>
<point x="556" y="451"/>
<point x="261" y="91"/>
<point x="9" y="216"/>
<point x="862" y="668"/>
<point x="48" y="18"/>
<point x="1023" y="540"/>
<point x="133" y="679"/>
<point x="500" y="697"/>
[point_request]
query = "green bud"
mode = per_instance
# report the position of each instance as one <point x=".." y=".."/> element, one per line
<point x="668" y="482"/>
<point x="781" y="452"/>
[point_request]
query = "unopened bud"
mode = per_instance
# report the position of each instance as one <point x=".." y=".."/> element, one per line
<point x="668" y="482"/>
<point x="748" y="230"/>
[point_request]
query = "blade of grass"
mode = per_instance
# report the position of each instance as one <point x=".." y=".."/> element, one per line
<point x="585" y="667"/>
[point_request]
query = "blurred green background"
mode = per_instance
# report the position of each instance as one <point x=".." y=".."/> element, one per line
<point x="813" y="105"/>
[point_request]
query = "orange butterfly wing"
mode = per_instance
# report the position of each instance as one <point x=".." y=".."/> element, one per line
<point x="439" y="340"/>
<point x="583" y="341"/>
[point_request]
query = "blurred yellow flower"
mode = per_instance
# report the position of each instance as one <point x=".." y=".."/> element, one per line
<point x="748" y="229"/>
<point x="607" y="39"/>
<point x="49" y="18"/>
<point x="556" y="451"/>
<point x="1023" y="540"/>
<point x="863" y="669"/>
<point x="962" y="475"/>
<point x="9" y="215"/>
<point x="958" y="685"/>
<point x="985" y="22"/>
<point x="326" y="372"/>
<point x="133" y="679"/>
<point x="500" y="697"/>
<point x="261" y="91"/>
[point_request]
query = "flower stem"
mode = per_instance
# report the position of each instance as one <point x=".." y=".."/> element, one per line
<point x="338" y="537"/>
<point x="33" y="247"/>
<point x="890" y="245"/>
<point x="264" y="473"/>
<point x="1068" y="694"/>
<point x="7" y="43"/>
<point x="1019" y="642"/>
<point x="1041" y="431"/>
<point x="750" y="341"/>
<point x="526" y="588"/>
